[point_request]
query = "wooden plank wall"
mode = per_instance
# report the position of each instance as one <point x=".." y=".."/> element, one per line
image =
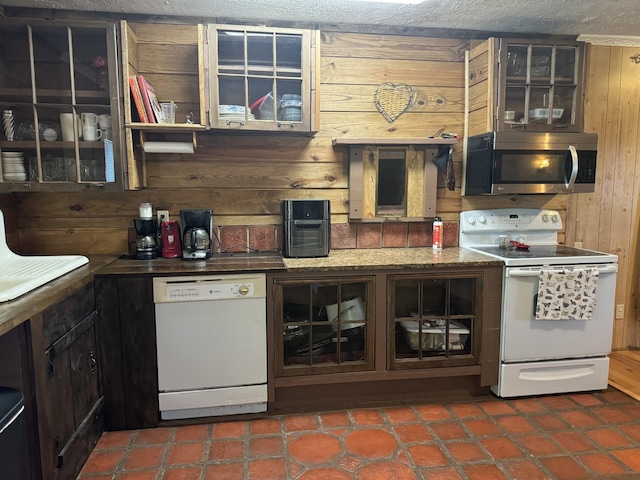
<point x="243" y="178"/>
<point x="609" y="219"/>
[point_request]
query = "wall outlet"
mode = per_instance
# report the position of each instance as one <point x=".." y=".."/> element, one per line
<point x="162" y="215"/>
<point x="619" y="312"/>
<point x="577" y="244"/>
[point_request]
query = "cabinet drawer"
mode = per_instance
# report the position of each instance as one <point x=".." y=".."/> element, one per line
<point x="63" y="316"/>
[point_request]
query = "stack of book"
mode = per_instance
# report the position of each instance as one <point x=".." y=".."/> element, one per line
<point x="145" y="100"/>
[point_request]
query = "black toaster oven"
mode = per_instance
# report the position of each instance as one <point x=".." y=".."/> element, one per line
<point x="306" y="228"/>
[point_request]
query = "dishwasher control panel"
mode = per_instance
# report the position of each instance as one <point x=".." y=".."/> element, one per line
<point x="214" y="287"/>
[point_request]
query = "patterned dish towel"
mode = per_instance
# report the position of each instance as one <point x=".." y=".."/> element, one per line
<point x="567" y="294"/>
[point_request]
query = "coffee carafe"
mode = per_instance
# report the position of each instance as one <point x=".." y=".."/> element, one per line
<point x="197" y="233"/>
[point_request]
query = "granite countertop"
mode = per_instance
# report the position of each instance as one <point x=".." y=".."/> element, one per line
<point x="17" y="311"/>
<point x="392" y="259"/>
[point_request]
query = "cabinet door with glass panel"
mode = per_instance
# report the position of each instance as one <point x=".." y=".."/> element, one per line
<point x="323" y="326"/>
<point x="60" y="130"/>
<point x="540" y="85"/>
<point x="433" y="321"/>
<point x="261" y="78"/>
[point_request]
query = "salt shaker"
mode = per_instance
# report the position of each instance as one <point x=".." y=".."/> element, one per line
<point x="503" y="242"/>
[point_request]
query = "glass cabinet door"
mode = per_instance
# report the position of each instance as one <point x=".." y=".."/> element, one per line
<point x="57" y="99"/>
<point x="260" y="78"/>
<point x="432" y="320"/>
<point x="542" y="86"/>
<point x="324" y="326"/>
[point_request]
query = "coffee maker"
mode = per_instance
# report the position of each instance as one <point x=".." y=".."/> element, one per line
<point x="146" y="238"/>
<point x="196" y="228"/>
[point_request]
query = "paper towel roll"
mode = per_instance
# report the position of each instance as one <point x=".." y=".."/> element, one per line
<point x="168" y="147"/>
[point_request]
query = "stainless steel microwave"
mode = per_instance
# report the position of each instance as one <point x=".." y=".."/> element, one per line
<point x="528" y="163"/>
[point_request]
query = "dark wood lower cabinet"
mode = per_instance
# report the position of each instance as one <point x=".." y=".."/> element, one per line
<point x="426" y="335"/>
<point x="66" y="379"/>
<point x="126" y="329"/>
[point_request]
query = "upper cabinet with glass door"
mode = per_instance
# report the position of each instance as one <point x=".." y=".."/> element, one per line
<point x="540" y="85"/>
<point x="60" y="129"/>
<point x="262" y="78"/>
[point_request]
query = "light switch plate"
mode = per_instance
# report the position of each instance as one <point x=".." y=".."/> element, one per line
<point x="162" y="215"/>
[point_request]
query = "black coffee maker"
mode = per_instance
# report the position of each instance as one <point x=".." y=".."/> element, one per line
<point x="146" y="238"/>
<point x="196" y="231"/>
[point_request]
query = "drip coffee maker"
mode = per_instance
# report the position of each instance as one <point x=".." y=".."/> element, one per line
<point x="146" y="233"/>
<point x="146" y="238"/>
<point x="197" y="233"/>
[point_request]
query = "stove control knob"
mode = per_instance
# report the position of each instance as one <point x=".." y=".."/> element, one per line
<point x="471" y="220"/>
<point x="482" y="219"/>
<point x="545" y="218"/>
<point x="555" y="218"/>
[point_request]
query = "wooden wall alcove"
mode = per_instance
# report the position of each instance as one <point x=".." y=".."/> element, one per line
<point x="243" y="178"/>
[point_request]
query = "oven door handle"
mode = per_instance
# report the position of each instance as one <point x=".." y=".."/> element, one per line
<point x="517" y="272"/>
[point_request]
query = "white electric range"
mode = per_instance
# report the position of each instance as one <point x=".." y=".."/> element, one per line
<point x="540" y="355"/>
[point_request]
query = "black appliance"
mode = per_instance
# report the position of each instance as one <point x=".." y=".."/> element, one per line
<point x="306" y="228"/>
<point x="196" y="232"/>
<point x="13" y="435"/>
<point x="146" y="238"/>
<point x="530" y="162"/>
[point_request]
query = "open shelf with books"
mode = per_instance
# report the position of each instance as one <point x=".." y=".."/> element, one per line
<point x="161" y="63"/>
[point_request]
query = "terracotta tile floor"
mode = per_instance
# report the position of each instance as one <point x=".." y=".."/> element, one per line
<point x="563" y="437"/>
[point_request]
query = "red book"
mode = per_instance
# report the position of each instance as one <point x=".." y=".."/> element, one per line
<point x="137" y="100"/>
<point x="151" y="105"/>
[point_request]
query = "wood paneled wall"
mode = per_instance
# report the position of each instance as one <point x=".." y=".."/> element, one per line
<point x="609" y="219"/>
<point x="244" y="178"/>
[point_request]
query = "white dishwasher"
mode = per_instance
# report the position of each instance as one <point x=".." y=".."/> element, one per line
<point x="211" y="334"/>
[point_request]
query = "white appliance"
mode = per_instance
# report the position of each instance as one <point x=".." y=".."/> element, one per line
<point x="211" y="334"/>
<point x="541" y="356"/>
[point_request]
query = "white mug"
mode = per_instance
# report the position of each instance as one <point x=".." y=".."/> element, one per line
<point x="89" y="119"/>
<point x="104" y="121"/>
<point x="91" y="133"/>
<point x="66" y="125"/>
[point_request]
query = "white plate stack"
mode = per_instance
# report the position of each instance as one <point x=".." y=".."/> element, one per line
<point x="234" y="113"/>
<point x="13" y="166"/>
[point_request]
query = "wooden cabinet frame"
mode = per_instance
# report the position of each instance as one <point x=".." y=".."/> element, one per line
<point x="308" y="76"/>
<point x="486" y="86"/>
<point x="76" y="100"/>
<point x="482" y="365"/>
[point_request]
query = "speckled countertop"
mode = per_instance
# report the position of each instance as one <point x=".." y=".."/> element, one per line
<point x="391" y="259"/>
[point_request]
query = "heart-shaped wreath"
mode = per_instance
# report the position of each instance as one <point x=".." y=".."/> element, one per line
<point x="393" y="100"/>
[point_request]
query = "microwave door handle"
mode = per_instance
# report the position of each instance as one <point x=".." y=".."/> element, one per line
<point x="574" y="167"/>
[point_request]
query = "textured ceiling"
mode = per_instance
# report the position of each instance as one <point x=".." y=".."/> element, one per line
<point x="564" y="17"/>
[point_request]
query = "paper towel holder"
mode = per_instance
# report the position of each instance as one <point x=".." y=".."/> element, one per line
<point x="178" y="144"/>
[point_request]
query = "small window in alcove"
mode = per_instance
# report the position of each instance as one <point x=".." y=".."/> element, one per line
<point x="392" y="182"/>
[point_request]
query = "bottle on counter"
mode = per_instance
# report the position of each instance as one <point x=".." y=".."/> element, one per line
<point x="437" y="233"/>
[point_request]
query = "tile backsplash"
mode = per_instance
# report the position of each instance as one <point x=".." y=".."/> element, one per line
<point x="268" y="238"/>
